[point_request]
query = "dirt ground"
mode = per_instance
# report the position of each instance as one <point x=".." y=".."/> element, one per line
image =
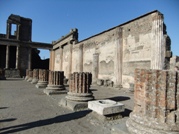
<point x="25" y="109"/>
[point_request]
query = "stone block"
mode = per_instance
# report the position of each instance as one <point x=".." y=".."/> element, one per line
<point x="73" y="105"/>
<point x="106" y="107"/>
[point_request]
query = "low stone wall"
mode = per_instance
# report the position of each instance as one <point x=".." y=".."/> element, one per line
<point x="156" y="106"/>
<point x="12" y="73"/>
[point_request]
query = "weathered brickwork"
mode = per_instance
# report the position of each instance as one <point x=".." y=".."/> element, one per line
<point x="55" y="83"/>
<point x="30" y="76"/>
<point x="156" y="95"/>
<point x="79" y="87"/>
<point x="43" y="78"/>
<point x="35" y="76"/>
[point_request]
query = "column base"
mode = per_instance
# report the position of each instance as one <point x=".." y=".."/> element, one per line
<point x="137" y="124"/>
<point x="34" y="81"/>
<point x="55" y="89"/>
<point x="41" y="84"/>
<point x="80" y="97"/>
<point x="73" y="105"/>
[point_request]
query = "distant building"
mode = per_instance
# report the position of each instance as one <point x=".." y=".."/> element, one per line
<point x="17" y="51"/>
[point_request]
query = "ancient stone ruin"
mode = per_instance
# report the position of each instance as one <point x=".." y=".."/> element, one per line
<point x="79" y="87"/>
<point x="156" y="108"/>
<point x="55" y="83"/>
<point x="2" y="74"/>
<point x="35" y="76"/>
<point x="43" y="78"/>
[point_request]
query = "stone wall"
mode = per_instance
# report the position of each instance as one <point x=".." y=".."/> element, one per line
<point x="115" y="53"/>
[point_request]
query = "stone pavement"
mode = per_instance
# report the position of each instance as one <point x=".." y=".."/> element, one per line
<point x="25" y="109"/>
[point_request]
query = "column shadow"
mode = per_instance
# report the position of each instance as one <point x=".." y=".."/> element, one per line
<point x="57" y="119"/>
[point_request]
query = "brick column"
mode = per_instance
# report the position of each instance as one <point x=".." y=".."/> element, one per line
<point x="35" y="76"/>
<point x="30" y="76"/>
<point x="79" y="87"/>
<point x="156" y="106"/>
<point x="55" y="83"/>
<point x="2" y="74"/>
<point x="27" y="74"/>
<point x="43" y="78"/>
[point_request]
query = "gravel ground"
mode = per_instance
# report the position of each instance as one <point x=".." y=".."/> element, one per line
<point x="25" y="109"/>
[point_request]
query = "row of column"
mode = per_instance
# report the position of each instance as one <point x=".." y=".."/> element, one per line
<point x="17" y="57"/>
<point x="53" y="82"/>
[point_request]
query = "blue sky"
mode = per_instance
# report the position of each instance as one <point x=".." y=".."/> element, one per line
<point x="54" y="18"/>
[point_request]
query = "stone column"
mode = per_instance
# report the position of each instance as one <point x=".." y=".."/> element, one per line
<point x="17" y="57"/>
<point x="18" y="29"/>
<point x="29" y="58"/>
<point x="95" y="68"/>
<point x="30" y="76"/>
<point x="2" y="74"/>
<point x="8" y="30"/>
<point x="80" y="58"/>
<point x="7" y="57"/>
<point x="35" y="76"/>
<point x="157" y="47"/>
<point x="156" y="102"/>
<point x="61" y="58"/>
<point x="70" y="59"/>
<point x="118" y="59"/>
<point x="79" y="87"/>
<point x="55" y="83"/>
<point x="43" y="78"/>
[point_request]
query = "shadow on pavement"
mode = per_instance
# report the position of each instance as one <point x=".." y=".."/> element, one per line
<point x="3" y="107"/>
<point x="57" y="119"/>
<point x="119" y="98"/>
<point x="8" y="120"/>
<point x="126" y="113"/>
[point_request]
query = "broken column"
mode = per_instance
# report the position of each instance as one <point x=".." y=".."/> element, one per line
<point x="30" y="76"/>
<point x="43" y="78"/>
<point x="156" y="106"/>
<point x="27" y="74"/>
<point x="55" y="83"/>
<point x="79" y="91"/>
<point x="35" y="76"/>
<point x="2" y="74"/>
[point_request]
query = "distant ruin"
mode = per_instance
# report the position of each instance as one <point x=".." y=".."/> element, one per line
<point x="17" y="51"/>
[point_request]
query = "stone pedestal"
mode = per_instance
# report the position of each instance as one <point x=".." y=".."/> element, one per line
<point x="156" y="106"/>
<point x="43" y="79"/>
<point x="30" y="76"/>
<point x="55" y="83"/>
<point x="27" y="74"/>
<point x="35" y="76"/>
<point x="79" y="93"/>
<point x="2" y="74"/>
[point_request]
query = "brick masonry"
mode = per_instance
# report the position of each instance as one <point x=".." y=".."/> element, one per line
<point x="156" y="106"/>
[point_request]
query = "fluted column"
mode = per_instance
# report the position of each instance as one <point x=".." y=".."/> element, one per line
<point x="7" y="57"/>
<point x="156" y="102"/>
<point x="55" y="83"/>
<point x="157" y="47"/>
<point x="79" y="87"/>
<point x="35" y="76"/>
<point x="43" y="78"/>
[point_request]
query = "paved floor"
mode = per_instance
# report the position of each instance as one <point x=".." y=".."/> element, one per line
<point x="25" y="109"/>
